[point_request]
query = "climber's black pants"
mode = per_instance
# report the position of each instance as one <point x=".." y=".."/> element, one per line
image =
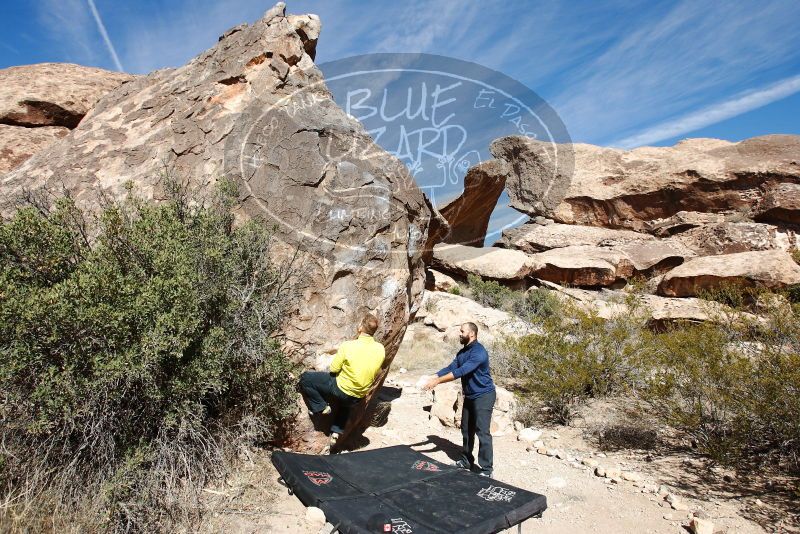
<point x="319" y="389"/>
<point x="476" y="418"/>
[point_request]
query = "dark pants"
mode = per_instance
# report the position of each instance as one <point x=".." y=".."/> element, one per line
<point x="319" y="389"/>
<point x="477" y="419"/>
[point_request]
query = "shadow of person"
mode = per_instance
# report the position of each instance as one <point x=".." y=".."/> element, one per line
<point x="389" y="393"/>
<point x="437" y="444"/>
<point x="376" y="414"/>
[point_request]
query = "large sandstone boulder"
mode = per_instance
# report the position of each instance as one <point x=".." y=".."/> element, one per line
<point x="18" y="143"/>
<point x="444" y="313"/>
<point x="532" y="237"/>
<point x="582" y="265"/>
<point x="624" y="189"/>
<point x="772" y="269"/>
<point x="254" y="109"/>
<point x="501" y="264"/>
<point x="652" y="257"/>
<point x="53" y="94"/>
<point x="468" y="215"/>
<point x="781" y="204"/>
<point x="733" y="237"/>
<point x="448" y="403"/>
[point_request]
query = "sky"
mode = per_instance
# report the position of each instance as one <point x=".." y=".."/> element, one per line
<point x="622" y="73"/>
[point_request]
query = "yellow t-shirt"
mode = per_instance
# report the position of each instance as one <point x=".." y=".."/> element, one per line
<point x="357" y="361"/>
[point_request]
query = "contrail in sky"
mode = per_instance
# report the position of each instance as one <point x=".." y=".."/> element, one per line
<point x="104" y="33"/>
<point x="713" y="114"/>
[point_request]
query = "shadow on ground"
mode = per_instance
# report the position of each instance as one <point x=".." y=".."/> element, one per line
<point x="438" y="444"/>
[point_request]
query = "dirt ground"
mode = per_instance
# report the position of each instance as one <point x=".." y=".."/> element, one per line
<point x="252" y="500"/>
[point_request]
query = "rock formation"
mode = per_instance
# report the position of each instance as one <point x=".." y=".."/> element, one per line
<point x="468" y="215"/>
<point x="772" y="269"/>
<point x="437" y="281"/>
<point x="535" y="175"/>
<point x="254" y="109"/>
<point x="532" y="237"/>
<point x="539" y="175"/>
<point x="41" y="103"/>
<point x="443" y="314"/>
<point x="681" y="222"/>
<point x="781" y="204"/>
<point x="624" y="189"/>
<point x="53" y="94"/>
<point x="658" y="312"/>
<point x="731" y="237"/>
<point x="582" y="265"/>
<point x="687" y="219"/>
<point x="507" y="265"/>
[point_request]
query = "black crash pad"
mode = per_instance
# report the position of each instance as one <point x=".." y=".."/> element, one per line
<point x="401" y="491"/>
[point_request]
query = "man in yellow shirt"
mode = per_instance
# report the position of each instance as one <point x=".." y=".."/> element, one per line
<point x="352" y="373"/>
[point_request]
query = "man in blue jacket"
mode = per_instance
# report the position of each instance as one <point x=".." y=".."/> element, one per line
<point x="471" y="365"/>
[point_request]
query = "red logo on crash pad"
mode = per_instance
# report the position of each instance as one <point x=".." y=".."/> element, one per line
<point x="425" y="466"/>
<point x="320" y="478"/>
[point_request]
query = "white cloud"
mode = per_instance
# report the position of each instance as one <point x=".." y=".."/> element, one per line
<point x="675" y="61"/>
<point x="713" y="114"/>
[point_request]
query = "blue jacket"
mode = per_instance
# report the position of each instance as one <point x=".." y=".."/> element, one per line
<point x="471" y="365"/>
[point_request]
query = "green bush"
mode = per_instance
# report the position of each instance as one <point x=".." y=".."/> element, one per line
<point x="578" y="356"/>
<point x="732" y="295"/>
<point x="488" y="292"/>
<point x="535" y="304"/>
<point x="135" y="353"/>
<point x="455" y="290"/>
<point x="734" y="390"/>
<point x="731" y="385"/>
<point x="793" y="293"/>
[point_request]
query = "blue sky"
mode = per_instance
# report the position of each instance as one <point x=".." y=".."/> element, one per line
<point x="618" y="73"/>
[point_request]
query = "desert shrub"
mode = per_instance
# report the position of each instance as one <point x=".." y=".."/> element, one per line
<point x="627" y="435"/>
<point x="731" y="384"/>
<point x="488" y="292"/>
<point x="134" y="362"/>
<point x="637" y="285"/>
<point x="455" y="290"/>
<point x="796" y="256"/>
<point x="534" y="305"/>
<point x="733" y="295"/>
<point x="578" y="356"/>
<point x="793" y="293"/>
<point x="696" y="381"/>
<point x="733" y="387"/>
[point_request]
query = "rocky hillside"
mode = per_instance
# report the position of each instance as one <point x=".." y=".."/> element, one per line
<point x="684" y="219"/>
